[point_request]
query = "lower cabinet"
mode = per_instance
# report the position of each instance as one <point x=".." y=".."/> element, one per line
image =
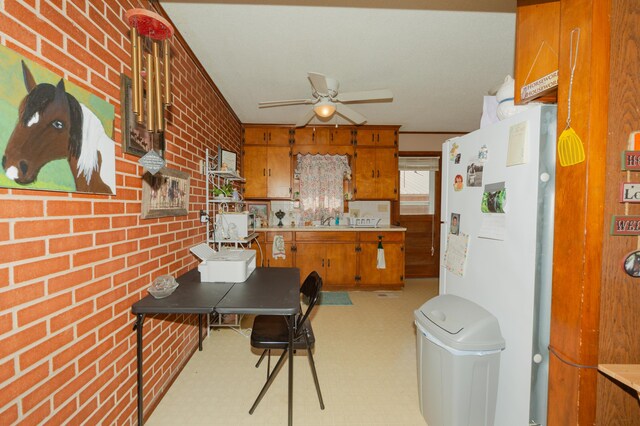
<point x="344" y="259"/>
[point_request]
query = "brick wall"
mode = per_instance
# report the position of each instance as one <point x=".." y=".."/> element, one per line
<point x="71" y="265"/>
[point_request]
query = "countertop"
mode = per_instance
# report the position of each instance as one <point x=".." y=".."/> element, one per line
<point x="383" y="228"/>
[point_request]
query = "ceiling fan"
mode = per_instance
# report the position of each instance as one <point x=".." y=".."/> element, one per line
<point x="326" y="100"/>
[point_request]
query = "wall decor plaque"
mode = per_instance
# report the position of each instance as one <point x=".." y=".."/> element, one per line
<point x="625" y="225"/>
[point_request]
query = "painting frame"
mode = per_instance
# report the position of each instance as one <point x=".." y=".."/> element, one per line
<point x="132" y="130"/>
<point x="165" y="194"/>
<point x="260" y="210"/>
<point x="228" y="160"/>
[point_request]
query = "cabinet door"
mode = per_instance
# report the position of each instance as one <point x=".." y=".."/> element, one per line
<point x="322" y="135"/>
<point x="387" y="173"/>
<point x="279" y="136"/>
<point x="386" y="137"/>
<point x="368" y="257"/>
<point x="255" y="135"/>
<point x="341" y="136"/>
<point x="278" y="172"/>
<point x="255" y="171"/>
<point x="304" y="136"/>
<point x="287" y="262"/>
<point x="365" y="174"/>
<point x="309" y="258"/>
<point x="393" y="274"/>
<point x="340" y="262"/>
<point x="366" y="137"/>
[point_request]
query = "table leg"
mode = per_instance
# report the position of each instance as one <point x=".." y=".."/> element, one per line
<point x="138" y="327"/>
<point x="292" y="322"/>
<point x="200" y="332"/>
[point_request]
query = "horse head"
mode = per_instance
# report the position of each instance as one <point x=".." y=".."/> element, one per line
<point x="49" y="128"/>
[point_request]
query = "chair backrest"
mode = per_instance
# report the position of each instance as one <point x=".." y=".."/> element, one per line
<point x="311" y="291"/>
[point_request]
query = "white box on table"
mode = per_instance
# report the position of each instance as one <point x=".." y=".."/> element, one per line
<point x="230" y="265"/>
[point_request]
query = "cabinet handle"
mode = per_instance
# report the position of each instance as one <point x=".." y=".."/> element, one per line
<point x="378" y="173"/>
<point x="378" y="137"/>
<point x="323" y="263"/>
<point x="329" y="263"/>
<point x="373" y="137"/>
<point x="269" y="135"/>
<point x="269" y="172"/>
<point x="373" y="173"/>
<point x="264" y="136"/>
<point x="264" y="172"/>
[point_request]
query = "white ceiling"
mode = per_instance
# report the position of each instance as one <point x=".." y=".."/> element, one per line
<point x="438" y="57"/>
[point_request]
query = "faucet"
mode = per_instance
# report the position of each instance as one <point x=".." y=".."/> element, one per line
<point x="326" y="221"/>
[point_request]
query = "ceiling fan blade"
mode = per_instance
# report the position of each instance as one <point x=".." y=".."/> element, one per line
<point x="305" y="118"/>
<point x="367" y="95"/>
<point x="319" y="83"/>
<point x="285" y="102"/>
<point x="349" y="114"/>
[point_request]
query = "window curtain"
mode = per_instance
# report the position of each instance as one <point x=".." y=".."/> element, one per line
<point x="321" y="185"/>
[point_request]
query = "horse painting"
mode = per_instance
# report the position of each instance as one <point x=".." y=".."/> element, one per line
<point x="53" y="125"/>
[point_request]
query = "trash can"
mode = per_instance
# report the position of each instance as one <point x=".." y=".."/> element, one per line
<point x="458" y="353"/>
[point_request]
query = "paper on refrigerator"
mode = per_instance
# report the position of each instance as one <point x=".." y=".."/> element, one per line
<point x="455" y="255"/>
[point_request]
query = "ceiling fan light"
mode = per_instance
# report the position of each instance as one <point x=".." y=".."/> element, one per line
<point x="324" y="108"/>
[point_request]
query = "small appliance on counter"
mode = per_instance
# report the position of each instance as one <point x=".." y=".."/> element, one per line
<point x="235" y="226"/>
<point x="364" y="222"/>
<point x="226" y="265"/>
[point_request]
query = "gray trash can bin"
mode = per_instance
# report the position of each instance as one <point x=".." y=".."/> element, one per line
<point x="458" y="351"/>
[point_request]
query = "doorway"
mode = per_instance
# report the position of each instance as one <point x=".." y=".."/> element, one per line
<point x="418" y="210"/>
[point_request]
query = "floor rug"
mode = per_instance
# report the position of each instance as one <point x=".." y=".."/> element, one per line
<point x="336" y="298"/>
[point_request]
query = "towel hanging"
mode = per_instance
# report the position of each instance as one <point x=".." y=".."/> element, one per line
<point x="278" y="250"/>
<point x="380" y="262"/>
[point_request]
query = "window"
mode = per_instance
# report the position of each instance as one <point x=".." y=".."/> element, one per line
<point x="322" y="185"/>
<point x="417" y="185"/>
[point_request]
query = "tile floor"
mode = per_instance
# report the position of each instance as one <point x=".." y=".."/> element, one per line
<point x="365" y="357"/>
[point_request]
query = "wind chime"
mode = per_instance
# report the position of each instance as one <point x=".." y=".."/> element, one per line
<point x="150" y="34"/>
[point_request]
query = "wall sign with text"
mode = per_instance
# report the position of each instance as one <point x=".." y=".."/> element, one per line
<point x="625" y="225"/>
<point x="630" y="192"/>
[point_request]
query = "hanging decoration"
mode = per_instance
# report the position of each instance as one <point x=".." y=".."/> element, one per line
<point x="150" y="57"/>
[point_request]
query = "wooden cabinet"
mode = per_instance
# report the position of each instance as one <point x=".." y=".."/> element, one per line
<point x="377" y="137"/>
<point x="267" y="247"/>
<point x="331" y="254"/>
<point x="267" y="135"/>
<point x="316" y="135"/>
<point x="267" y="171"/>
<point x="393" y="273"/>
<point x="376" y="174"/>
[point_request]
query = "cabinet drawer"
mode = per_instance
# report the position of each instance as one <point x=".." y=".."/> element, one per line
<point x="326" y="236"/>
<point x="372" y="236"/>
<point x="288" y="236"/>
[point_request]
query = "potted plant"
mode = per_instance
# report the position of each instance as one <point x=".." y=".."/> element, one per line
<point x="223" y="191"/>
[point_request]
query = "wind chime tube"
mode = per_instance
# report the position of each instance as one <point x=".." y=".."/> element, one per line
<point x="135" y="70"/>
<point x="150" y="94"/>
<point x="166" y="49"/>
<point x="138" y="75"/>
<point x="157" y="98"/>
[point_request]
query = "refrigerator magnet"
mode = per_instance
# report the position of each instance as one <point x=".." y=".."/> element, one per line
<point x="494" y="198"/>
<point x="474" y="174"/>
<point x="455" y="224"/>
<point x="458" y="183"/>
<point x="483" y="154"/>
<point x="631" y="264"/>
<point x="454" y="151"/>
<point x="458" y="157"/>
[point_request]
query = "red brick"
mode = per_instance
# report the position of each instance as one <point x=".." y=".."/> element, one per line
<point x="61" y="416"/>
<point x="39" y="228"/>
<point x="63" y="23"/>
<point x="149" y="242"/>
<point x="90" y="224"/>
<point x="94" y="388"/>
<point x="11" y="390"/>
<point x="10" y="415"/>
<point x="40" y="268"/>
<point x="21" y="251"/>
<point x="45" y="390"/>
<point x="125" y="276"/>
<point x="90" y="256"/>
<point x="110" y="237"/>
<point x="64" y="244"/>
<point x="110" y="297"/>
<point x="43" y="309"/>
<point x="20" y="208"/>
<point x="4" y="231"/>
<point x="101" y="412"/>
<point x="97" y="354"/>
<point x="72" y="316"/>
<point x="66" y="61"/>
<point x="16" y="296"/>
<point x="68" y="208"/>
<point x="4" y="277"/>
<point x="124" y="221"/>
<point x="74" y="351"/>
<point x="43" y="350"/>
<point x="93" y="321"/>
<point x="6" y="324"/>
<point x="73" y="386"/>
<point x="124" y="248"/>
<point x="7" y="370"/>
<point x="112" y="326"/>
<point x="36" y="417"/>
<point x="109" y="268"/>
<point x="17" y="31"/>
<point x="69" y="280"/>
<point x="92" y="289"/>
<point x="137" y="259"/>
<point x="109" y="208"/>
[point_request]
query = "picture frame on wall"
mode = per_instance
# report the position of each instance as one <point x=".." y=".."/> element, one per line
<point x="136" y="140"/>
<point x="165" y="194"/>
<point x="260" y="213"/>
<point x="227" y="160"/>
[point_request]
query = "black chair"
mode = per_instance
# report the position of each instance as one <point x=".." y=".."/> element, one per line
<point x="272" y="332"/>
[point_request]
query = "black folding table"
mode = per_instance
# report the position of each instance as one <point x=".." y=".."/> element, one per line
<point x="268" y="291"/>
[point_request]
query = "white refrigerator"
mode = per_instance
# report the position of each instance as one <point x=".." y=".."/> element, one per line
<point x="497" y="244"/>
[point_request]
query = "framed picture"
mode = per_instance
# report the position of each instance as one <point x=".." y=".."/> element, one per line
<point x="165" y="194"/>
<point x="136" y="139"/>
<point x="227" y="160"/>
<point x="260" y="212"/>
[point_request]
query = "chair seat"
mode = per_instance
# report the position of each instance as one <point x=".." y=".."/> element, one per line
<point x="272" y="332"/>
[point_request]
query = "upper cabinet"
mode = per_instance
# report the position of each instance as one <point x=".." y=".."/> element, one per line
<point x="267" y="135"/>
<point x="267" y="171"/>
<point x="326" y="135"/>
<point x="376" y="174"/>
<point x="377" y="136"/>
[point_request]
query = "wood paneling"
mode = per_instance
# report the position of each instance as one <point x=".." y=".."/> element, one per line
<point x="579" y="217"/>
<point x="620" y="294"/>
